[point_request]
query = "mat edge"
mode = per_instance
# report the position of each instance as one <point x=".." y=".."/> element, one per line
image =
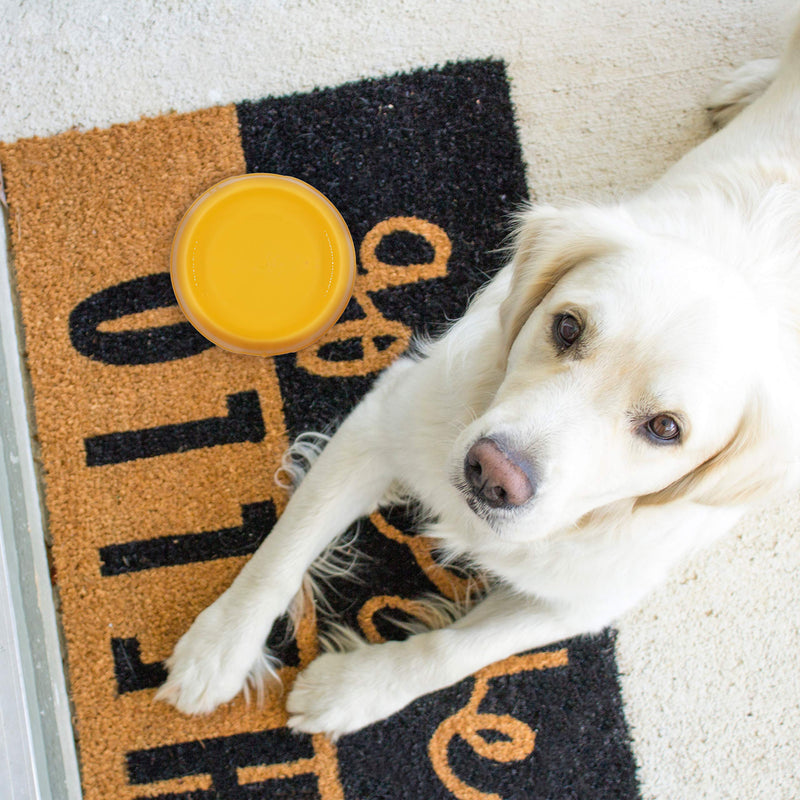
<point x="51" y="760"/>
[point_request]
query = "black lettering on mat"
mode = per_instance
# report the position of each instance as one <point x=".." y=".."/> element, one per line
<point x="131" y="672"/>
<point x="121" y="348"/>
<point x="244" y="423"/>
<point x="222" y="759"/>
<point x="190" y="548"/>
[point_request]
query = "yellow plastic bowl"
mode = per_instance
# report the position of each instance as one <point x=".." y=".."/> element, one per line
<point x="262" y="264"/>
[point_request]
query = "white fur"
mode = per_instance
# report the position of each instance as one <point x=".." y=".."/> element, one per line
<point x="691" y="299"/>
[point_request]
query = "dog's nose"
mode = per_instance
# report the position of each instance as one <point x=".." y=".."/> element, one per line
<point x="496" y="476"/>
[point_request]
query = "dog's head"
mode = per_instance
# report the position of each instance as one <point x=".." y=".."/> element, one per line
<point x="637" y="368"/>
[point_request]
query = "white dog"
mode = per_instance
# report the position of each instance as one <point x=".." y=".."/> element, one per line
<point x="611" y="401"/>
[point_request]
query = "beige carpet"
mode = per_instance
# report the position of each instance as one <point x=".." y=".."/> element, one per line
<point x="607" y="94"/>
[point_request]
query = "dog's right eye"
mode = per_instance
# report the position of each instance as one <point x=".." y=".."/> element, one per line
<point x="567" y="330"/>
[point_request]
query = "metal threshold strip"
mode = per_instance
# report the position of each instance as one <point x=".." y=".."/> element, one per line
<point x="37" y="749"/>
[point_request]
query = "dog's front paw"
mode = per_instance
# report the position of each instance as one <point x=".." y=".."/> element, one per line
<point x="343" y="692"/>
<point x="212" y="662"/>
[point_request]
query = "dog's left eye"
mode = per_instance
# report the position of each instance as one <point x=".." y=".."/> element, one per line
<point x="567" y="330"/>
<point x="663" y="428"/>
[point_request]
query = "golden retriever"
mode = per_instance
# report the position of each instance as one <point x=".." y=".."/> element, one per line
<point x="613" y="399"/>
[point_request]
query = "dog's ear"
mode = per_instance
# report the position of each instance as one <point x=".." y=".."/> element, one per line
<point x="757" y="461"/>
<point x="547" y="244"/>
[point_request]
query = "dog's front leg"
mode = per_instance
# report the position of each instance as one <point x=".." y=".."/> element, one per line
<point x="342" y="692"/>
<point x="225" y="646"/>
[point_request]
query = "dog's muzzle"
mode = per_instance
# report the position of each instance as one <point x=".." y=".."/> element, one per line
<point x="497" y="476"/>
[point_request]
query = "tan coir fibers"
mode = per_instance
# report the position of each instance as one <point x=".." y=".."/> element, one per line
<point x="135" y="183"/>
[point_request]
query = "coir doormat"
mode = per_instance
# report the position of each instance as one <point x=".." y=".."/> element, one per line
<point x="158" y="450"/>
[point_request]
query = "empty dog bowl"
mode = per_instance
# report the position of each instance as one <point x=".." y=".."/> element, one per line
<point x="262" y="264"/>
